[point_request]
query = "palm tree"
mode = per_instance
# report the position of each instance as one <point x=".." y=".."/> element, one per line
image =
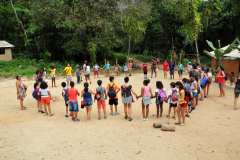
<point x="219" y="52"/>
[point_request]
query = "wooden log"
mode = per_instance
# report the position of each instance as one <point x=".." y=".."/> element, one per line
<point x="159" y="125"/>
<point x="166" y="127"/>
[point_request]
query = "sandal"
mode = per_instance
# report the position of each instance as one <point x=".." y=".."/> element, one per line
<point x="99" y="118"/>
<point x="187" y="116"/>
<point x="130" y="119"/>
<point x="126" y="117"/>
<point x="174" y="117"/>
<point x="168" y="116"/>
<point x="51" y="115"/>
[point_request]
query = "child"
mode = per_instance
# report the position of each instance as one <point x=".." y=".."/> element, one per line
<point x="170" y="92"/>
<point x="146" y="99"/>
<point x="45" y="97"/>
<point x="39" y="104"/>
<point x="153" y="67"/>
<point x="65" y="96"/>
<point x="194" y="87"/>
<point x="79" y="75"/>
<point x="52" y="73"/>
<point x="101" y="102"/>
<point x="144" y="66"/>
<point x="112" y="90"/>
<point x="44" y="73"/>
<point x="125" y="68"/>
<point x="73" y="103"/>
<point x="95" y="67"/>
<point x="159" y="88"/>
<point x="232" y="78"/>
<point x="107" y="69"/>
<point x="116" y="68"/>
<point x="37" y="75"/>
<point x="87" y="97"/>
<point x="130" y="68"/>
<point x="186" y="86"/>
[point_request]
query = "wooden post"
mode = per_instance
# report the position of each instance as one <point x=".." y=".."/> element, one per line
<point x="180" y="57"/>
<point x="166" y="127"/>
<point x="159" y="125"/>
<point x="105" y="61"/>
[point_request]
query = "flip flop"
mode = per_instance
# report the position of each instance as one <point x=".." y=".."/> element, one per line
<point x="23" y="109"/>
<point x="177" y="123"/>
<point x="182" y="125"/>
<point x="223" y="97"/>
<point x="51" y="115"/>
<point x="235" y="108"/>
<point x="187" y="116"/>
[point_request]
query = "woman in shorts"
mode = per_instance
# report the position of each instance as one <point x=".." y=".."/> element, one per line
<point x="221" y="80"/>
<point x="180" y="70"/>
<point x="194" y="90"/>
<point x="87" y="69"/>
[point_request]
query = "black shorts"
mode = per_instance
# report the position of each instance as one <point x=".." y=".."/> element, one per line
<point x="172" y="105"/>
<point x="144" y="72"/>
<point x="203" y="86"/>
<point x="66" y="103"/>
<point x="113" y="102"/>
<point x="180" y="72"/>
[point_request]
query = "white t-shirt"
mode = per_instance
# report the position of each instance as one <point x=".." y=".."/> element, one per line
<point x="84" y="65"/>
<point x="189" y="67"/>
<point x="157" y="90"/>
<point x="87" y="69"/>
<point x="44" y="92"/>
<point x="209" y="75"/>
<point x="95" y="68"/>
<point x="170" y="94"/>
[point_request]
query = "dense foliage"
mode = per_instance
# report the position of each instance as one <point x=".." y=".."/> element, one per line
<point x="75" y="30"/>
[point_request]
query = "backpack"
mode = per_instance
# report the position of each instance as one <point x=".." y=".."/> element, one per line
<point x="34" y="94"/>
<point x="162" y="95"/>
<point x="174" y="96"/>
<point x="111" y="92"/>
<point x="225" y="75"/>
<point x="98" y="95"/>
<point x="188" y="96"/>
<point x="66" y="97"/>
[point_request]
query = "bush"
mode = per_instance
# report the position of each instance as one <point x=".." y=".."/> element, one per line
<point x="121" y="59"/>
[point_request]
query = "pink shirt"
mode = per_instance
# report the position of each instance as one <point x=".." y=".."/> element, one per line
<point x="130" y="65"/>
<point x="146" y="90"/>
<point x="72" y="94"/>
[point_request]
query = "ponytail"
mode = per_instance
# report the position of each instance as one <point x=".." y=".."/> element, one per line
<point x="86" y="87"/>
<point x="146" y="81"/>
<point x="178" y="83"/>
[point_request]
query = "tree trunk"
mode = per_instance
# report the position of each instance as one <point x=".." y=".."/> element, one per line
<point x="20" y="23"/>
<point x="166" y="127"/>
<point x="172" y="47"/>
<point x="195" y="32"/>
<point x="129" y="43"/>
<point x="159" y="125"/>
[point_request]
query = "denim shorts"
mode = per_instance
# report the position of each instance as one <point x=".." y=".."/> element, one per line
<point x="88" y="102"/>
<point x="172" y="72"/>
<point x="73" y="106"/>
<point x="221" y="84"/>
<point x="157" y="101"/>
<point x="165" y="72"/>
<point x="194" y="94"/>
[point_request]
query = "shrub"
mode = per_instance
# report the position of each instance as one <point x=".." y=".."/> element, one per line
<point x="121" y="59"/>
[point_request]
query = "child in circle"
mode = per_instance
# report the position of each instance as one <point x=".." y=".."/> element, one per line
<point x="52" y="73"/>
<point x="125" y="68"/>
<point x="144" y="66"/>
<point x="116" y="68"/>
<point x="130" y="68"/>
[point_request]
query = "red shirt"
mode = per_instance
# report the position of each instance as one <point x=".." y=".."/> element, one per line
<point x="221" y="79"/>
<point x="165" y="66"/>
<point x="72" y="94"/>
<point x="144" y="67"/>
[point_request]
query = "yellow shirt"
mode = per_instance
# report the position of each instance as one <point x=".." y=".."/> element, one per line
<point x="179" y="97"/>
<point x="52" y="71"/>
<point x="68" y="71"/>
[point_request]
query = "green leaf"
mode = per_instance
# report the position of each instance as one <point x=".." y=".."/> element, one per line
<point x="209" y="54"/>
<point x="211" y="45"/>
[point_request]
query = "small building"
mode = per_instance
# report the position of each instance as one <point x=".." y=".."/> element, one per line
<point x="5" y="51"/>
<point x="230" y="65"/>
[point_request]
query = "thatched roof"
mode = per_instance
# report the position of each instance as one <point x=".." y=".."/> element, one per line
<point x="4" y="44"/>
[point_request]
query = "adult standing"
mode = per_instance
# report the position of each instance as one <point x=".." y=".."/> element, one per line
<point x="203" y="83"/>
<point x="69" y="71"/>
<point x="21" y="91"/>
<point x="154" y="67"/>
<point x="84" y="66"/>
<point x="87" y="69"/>
<point x="127" y="98"/>
<point x="194" y="66"/>
<point x="236" y="91"/>
<point x="221" y="80"/>
<point x="180" y="70"/>
<point x="209" y="78"/>
<point x="189" y="66"/>
<point x="165" y="68"/>
<point x="171" y="68"/>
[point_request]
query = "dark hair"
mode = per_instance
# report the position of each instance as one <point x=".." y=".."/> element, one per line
<point x="111" y="78"/>
<point x="95" y="62"/>
<point x="196" y="78"/>
<point x="185" y="80"/>
<point x="173" y="84"/>
<point x="87" y="64"/>
<point x="159" y="84"/>
<point x="126" y="79"/>
<point x="197" y="64"/>
<point x="221" y="68"/>
<point x="178" y="83"/>
<point x="146" y="81"/>
<point x="43" y="85"/>
<point x="52" y="66"/>
<point x="116" y="63"/>
<point x="40" y="79"/>
<point x="37" y="71"/>
<point x="71" y="83"/>
<point x="63" y="84"/>
<point x="232" y="73"/>
<point x="130" y="61"/>
<point x="99" y="82"/>
<point x="165" y="59"/>
<point x="44" y="70"/>
<point x="85" y="87"/>
<point x="18" y="76"/>
<point x="35" y="85"/>
<point x="207" y="70"/>
<point x="144" y="61"/>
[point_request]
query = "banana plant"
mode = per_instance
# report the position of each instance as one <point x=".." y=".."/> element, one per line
<point x="236" y="46"/>
<point x="219" y="52"/>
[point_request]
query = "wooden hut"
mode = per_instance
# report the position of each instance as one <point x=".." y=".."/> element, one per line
<point x="5" y="51"/>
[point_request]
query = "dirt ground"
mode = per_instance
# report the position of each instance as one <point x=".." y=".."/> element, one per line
<point x="212" y="131"/>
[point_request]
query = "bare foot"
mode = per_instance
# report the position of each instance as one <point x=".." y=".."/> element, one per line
<point x="156" y="117"/>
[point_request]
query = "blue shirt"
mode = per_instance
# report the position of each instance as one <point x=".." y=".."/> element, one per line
<point x="107" y="66"/>
<point x="171" y="66"/>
